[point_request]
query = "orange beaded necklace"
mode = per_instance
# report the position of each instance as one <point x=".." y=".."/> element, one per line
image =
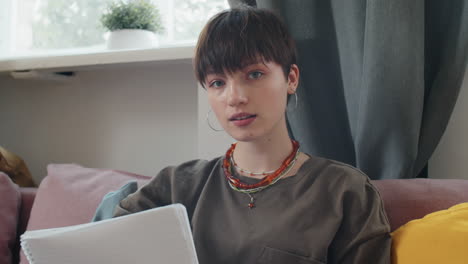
<point x="266" y="181"/>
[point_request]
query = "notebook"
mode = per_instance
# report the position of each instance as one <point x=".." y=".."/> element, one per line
<point x="160" y="235"/>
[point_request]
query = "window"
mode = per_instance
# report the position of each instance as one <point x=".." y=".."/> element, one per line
<point x="39" y="27"/>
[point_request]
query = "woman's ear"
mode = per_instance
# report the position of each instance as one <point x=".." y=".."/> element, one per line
<point x="293" y="79"/>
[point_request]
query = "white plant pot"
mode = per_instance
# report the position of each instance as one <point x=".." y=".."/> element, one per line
<point x="131" y="39"/>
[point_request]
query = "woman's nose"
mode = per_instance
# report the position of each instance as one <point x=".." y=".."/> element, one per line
<point x="236" y="93"/>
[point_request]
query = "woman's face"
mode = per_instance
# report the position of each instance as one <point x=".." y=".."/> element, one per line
<point x="250" y="103"/>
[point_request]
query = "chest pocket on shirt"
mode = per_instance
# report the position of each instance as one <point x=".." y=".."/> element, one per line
<point x="277" y="256"/>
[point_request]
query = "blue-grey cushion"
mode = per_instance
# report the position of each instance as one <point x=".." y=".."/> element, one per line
<point x="106" y="208"/>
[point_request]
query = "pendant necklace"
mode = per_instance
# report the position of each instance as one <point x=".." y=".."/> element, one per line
<point x="266" y="181"/>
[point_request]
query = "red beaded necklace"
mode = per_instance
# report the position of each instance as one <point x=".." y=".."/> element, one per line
<point x="265" y="181"/>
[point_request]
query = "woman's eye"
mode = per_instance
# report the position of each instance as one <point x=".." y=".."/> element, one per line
<point x="216" y="84"/>
<point x="255" y="75"/>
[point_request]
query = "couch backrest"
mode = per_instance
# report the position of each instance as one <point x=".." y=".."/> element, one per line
<point x="408" y="199"/>
<point x="81" y="189"/>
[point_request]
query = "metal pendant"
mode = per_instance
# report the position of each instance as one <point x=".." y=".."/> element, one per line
<point x="252" y="202"/>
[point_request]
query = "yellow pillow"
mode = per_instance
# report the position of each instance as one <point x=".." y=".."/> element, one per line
<point x="438" y="238"/>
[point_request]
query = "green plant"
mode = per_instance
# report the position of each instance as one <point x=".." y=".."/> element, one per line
<point x="136" y="14"/>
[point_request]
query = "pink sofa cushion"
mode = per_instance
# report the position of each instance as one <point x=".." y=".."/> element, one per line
<point x="10" y="201"/>
<point x="408" y="199"/>
<point x="70" y="194"/>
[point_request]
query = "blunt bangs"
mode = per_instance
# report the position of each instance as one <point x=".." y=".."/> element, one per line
<point x="239" y="37"/>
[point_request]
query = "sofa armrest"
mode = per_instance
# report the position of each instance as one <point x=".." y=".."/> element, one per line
<point x="27" y="199"/>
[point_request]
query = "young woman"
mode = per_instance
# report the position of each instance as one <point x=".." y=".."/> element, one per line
<point x="265" y="201"/>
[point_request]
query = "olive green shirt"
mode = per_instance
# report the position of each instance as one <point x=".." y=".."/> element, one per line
<point x="328" y="212"/>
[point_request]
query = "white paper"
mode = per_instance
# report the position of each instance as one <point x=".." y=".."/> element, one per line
<point x="160" y="235"/>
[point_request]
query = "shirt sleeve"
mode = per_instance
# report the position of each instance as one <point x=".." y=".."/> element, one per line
<point x="154" y="194"/>
<point x="364" y="234"/>
<point x="174" y="184"/>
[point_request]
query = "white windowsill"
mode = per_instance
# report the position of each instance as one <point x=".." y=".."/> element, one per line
<point x="98" y="59"/>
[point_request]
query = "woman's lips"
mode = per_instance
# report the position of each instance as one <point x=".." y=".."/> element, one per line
<point x="244" y="122"/>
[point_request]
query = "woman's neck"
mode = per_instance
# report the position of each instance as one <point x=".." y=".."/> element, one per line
<point x="262" y="155"/>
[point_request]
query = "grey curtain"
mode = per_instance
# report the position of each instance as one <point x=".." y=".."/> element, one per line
<point x="379" y="78"/>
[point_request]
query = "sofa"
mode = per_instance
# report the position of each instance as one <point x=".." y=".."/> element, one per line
<point x="70" y="193"/>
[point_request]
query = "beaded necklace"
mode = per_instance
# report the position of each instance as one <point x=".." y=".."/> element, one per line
<point x="249" y="173"/>
<point x="266" y="181"/>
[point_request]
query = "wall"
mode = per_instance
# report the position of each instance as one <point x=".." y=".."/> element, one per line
<point x="210" y="143"/>
<point x="450" y="159"/>
<point x="135" y="119"/>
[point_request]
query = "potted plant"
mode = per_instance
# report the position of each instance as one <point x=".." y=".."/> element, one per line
<point x="132" y="24"/>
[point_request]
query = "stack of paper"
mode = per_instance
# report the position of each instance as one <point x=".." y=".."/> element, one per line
<point x="160" y="235"/>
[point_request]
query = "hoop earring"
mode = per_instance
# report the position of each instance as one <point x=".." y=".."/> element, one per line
<point x="295" y="103"/>
<point x="208" y="122"/>
<point x="295" y="96"/>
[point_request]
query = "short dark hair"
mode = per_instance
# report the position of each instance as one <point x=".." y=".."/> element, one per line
<point x="235" y="38"/>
